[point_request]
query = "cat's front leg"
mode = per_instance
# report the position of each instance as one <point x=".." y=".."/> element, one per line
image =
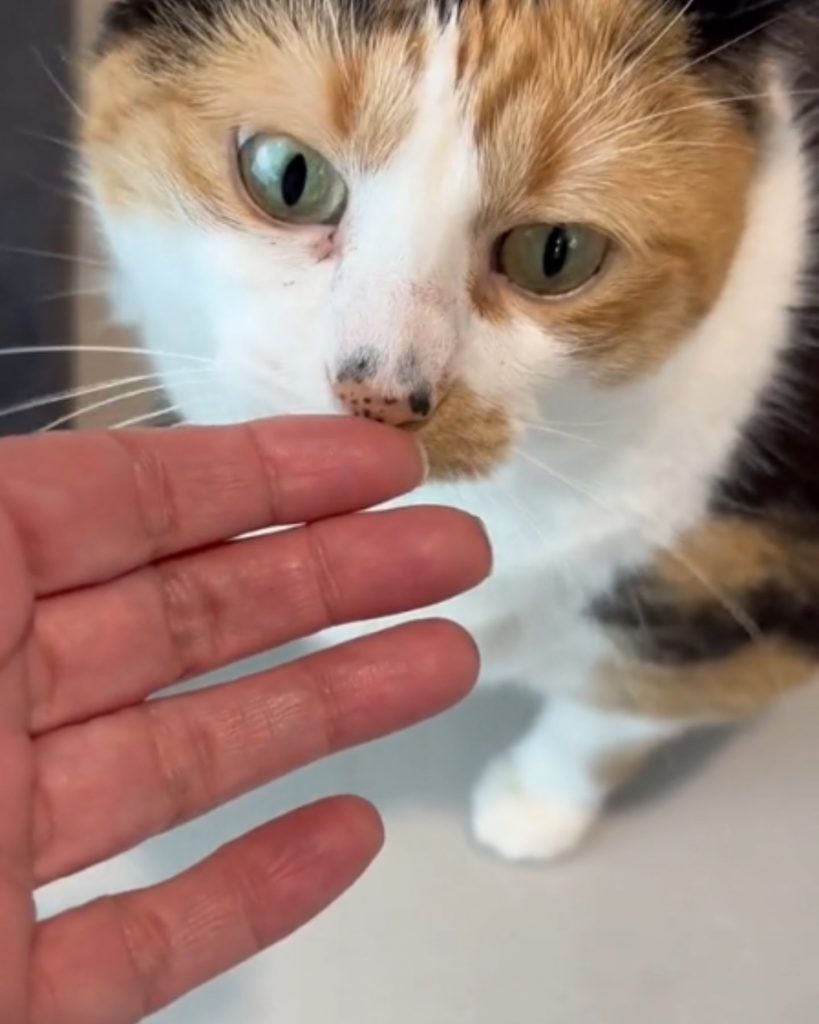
<point x="540" y="799"/>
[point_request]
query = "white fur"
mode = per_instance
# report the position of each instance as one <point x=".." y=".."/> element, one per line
<point x="402" y="282"/>
<point x="540" y="800"/>
<point x="566" y="514"/>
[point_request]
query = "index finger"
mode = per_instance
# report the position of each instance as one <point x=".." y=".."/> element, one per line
<point x="90" y="507"/>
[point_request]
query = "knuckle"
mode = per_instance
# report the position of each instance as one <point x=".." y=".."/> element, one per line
<point x="325" y="710"/>
<point x="246" y="886"/>
<point x="191" y="614"/>
<point x="185" y="763"/>
<point x="154" y="495"/>
<point x="330" y="600"/>
<point x="148" y="945"/>
<point x="269" y="471"/>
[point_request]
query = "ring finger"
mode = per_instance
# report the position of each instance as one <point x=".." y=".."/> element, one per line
<point x="104" y="786"/>
<point x="109" y="646"/>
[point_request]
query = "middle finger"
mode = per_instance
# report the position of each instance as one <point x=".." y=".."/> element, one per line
<point x="112" y="645"/>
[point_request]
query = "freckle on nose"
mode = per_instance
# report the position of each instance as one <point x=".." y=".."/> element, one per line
<point x="363" y="400"/>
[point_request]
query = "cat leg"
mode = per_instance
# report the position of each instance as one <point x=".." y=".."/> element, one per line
<point x="539" y="800"/>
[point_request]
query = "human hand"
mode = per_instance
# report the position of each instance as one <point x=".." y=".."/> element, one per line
<point x="115" y="582"/>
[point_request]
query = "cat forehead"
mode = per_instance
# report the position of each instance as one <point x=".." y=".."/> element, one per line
<point x="559" y="100"/>
<point x="524" y="70"/>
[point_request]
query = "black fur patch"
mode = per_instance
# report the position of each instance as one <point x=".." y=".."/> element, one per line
<point x="126" y="18"/>
<point x="662" y="630"/>
<point x="721" y="23"/>
<point x="772" y="477"/>
<point x="775" y="471"/>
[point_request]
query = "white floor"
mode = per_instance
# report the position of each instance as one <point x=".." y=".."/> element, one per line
<point x="697" y="904"/>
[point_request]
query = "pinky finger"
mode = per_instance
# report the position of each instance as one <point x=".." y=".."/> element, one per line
<point x="122" y="958"/>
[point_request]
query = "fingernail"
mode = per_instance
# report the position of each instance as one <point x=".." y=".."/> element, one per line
<point x="422" y="454"/>
<point x="485" y="532"/>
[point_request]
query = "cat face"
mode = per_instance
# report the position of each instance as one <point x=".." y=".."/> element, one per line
<point x="436" y="216"/>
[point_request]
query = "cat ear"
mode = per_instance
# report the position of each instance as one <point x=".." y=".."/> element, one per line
<point x="720" y="23"/>
<point x="126" y="18"/>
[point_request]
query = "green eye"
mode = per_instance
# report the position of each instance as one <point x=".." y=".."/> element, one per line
<point x="552" y="259"/>
<point x="291" y="182"/>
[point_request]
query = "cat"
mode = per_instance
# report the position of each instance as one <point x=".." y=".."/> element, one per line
<point x="571" y="244"/>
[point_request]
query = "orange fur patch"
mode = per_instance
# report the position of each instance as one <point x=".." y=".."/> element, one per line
<point x="465" y="437"/>
<point x="163" y="138"/>
<point x="734" y="687"/>
<point x="584" y="112"/>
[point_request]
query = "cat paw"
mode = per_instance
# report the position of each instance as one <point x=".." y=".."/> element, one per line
<point x="519" y="825"/>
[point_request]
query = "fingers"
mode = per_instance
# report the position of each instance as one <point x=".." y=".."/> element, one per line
<point x="91" y="507"/>
<point x="121" y="959"/>
<point x="16" y="779"/>
<point x="209" y="609"/>
<point x="104" y="786"/>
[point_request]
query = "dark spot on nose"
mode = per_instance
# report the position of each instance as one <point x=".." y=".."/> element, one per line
<point x="359" y="367"/>
<point x="420" y="402"/>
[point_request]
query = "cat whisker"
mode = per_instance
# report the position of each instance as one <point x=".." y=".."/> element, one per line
<point x="715" y="52"/>
<point x="26" y="350"/>
<point x="603" y="159"/>
<point x="58" y="85"/>
<point x="575" y="423"/>
<point x="22" y="250"/>
<point x="589" y="99"/>
<point x="75" y="197"/>
<point x="740" y="616"/>
<point x="723" y="47"/>
<point x="72" y="293"/>
<point x="146" y="417"/>
<point x="530" y="518"/>
<point x="643" y="56"/>
<point x="67" y="144"/>
<point x="630" y="127"/>
<point x="69" y="394"/>
<point x="542" y="428"/>
<point x="106" y="403"/>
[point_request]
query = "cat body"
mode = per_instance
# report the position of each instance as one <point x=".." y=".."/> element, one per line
<point x="642" y="444"/>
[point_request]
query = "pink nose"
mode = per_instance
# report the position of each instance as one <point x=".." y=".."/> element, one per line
<point x="363" y="400"/>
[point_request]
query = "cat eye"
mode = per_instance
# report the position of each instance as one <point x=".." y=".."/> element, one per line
<point x="290" y="181"/>
<point x="552" y="259"/>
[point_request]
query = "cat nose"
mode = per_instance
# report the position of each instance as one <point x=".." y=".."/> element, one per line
<point x="368" y="402"/>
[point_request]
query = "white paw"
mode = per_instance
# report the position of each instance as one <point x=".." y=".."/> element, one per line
<point x="520" y="825"/>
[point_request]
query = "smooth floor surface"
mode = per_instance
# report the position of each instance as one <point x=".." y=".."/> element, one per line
<point x="697" y="902"/>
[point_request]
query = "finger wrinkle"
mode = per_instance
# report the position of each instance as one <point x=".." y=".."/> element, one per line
<point x="269" y="471"/>
<point x="43" y="674"/>
<point x="148" y="945"/>
<point x="329" y="592"/>
<point x="154" y="496"/>
<point x="185" y="779"/>
<point x="191" y="616"/>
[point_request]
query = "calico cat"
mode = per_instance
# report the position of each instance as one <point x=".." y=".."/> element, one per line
<point x="573" y="245"/>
